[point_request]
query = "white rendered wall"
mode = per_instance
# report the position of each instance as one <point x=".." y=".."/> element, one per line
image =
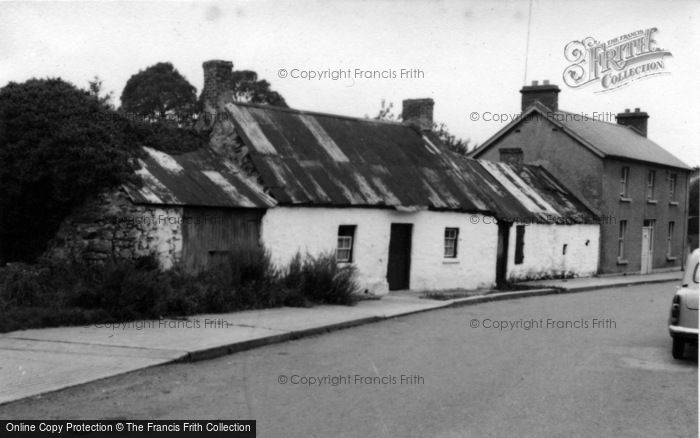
<point x="543" y="251"/>
<point x="286" y="230"/>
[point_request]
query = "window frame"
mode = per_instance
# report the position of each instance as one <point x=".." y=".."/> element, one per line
<point x="671" y="230"/>
<point x="672" y="186"/>
<point x="454" y="243"/>
<point x="624" y="181"/>
<point x="345" y="242"/>
<point x="651" y="185"/>
<point x="621" y="238"/>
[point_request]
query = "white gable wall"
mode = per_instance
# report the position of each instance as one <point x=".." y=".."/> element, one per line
<point x="543" y="251"/>
<point x="286" y="230"/>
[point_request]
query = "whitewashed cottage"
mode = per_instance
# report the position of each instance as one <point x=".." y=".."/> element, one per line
<point x="386" y="197"/>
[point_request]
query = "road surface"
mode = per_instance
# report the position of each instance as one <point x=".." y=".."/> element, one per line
<point x="587" y="364"/>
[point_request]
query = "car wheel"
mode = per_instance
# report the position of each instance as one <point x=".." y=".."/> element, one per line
<point x="678" y="348"/>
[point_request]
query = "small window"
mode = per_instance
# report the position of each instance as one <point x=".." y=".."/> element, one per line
<point x="512" y="156"/>
<point x="672" y="178"/>
<point x="621" y="240"/>
<point x="519" y="244"/>
<point x="651" y="182"/>
<point x="669" y="239"/>
<point x="451" y="240"/>
<point x="346" y="242"/>
<point x="624" y="180"/>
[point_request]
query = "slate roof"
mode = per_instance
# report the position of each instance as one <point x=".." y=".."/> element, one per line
<point x="602" y="138"/>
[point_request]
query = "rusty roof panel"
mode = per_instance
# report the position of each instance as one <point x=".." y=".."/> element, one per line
<point x="200" y="178"/>
<point x="328" y="160"/>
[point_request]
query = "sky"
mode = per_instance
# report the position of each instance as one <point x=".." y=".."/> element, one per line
<point x="469" y="56"/>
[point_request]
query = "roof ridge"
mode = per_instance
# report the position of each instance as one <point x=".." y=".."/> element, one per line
<point x="318" y="113"/>
<point x="590" y="119"/>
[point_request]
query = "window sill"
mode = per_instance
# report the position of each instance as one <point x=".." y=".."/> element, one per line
<point x="621" y="261"/>
<point x="673" y="203"/>
<point x="623" y="199"/>
<point x="652" y="201"/>
<point x="671" y="258"/>
<point x="450" y="261"/>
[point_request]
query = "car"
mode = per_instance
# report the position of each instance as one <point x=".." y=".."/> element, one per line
<point x="683" y="321"/>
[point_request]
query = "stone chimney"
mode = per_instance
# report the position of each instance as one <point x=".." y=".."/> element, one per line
<point x="418" y="112"/>
<point x="637" y="120"/>
<point x="217" y="80"/>
<point x="546" y="94"/>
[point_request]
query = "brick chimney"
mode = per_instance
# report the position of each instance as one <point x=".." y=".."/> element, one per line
<point x="217" y="80"/>
<point x="418" y="112"/>
<point x="637" y="120"/>
<point x="546" y="94"/>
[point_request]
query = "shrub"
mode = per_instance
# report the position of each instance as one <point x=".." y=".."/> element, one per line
<point x="59" y="146"/>
<point x="321" y="280"/>
<point x="64" y="293"/>
<point x="22" y="285"/>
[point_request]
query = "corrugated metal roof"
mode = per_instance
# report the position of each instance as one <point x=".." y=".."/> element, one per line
<point x="326" y="160"/>
<point x="200" y="178"/>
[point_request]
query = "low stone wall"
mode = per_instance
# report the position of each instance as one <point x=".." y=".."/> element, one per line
<point x="112" y="227"/>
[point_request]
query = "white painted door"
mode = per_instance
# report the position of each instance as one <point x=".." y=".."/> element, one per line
<point x="647" y="249"/>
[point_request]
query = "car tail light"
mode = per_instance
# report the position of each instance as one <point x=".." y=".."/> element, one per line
<point x="675" y="309"/>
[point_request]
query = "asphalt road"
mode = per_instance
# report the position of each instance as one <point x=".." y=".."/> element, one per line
<point x="614" y="379"/>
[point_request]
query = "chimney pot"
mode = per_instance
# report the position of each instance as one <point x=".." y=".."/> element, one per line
<point x="546" y="94"/>
<point x="636" y="120"/>
<point x="217" y="80"/>
<point x="418" y="112"/>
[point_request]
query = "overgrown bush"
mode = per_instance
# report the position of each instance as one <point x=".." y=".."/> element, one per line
<point x="68" y="293"/>
<point x="59" y="146"/>
<point x="321" y="280"/>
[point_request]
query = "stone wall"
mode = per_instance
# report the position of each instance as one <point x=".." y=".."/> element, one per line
<point x="112" y="227"/>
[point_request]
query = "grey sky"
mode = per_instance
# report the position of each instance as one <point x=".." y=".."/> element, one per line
<point x="472" y="54"/>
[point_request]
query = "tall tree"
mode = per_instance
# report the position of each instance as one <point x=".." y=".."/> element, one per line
<point x="160" y="93"/>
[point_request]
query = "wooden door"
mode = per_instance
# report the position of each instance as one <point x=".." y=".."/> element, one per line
<point x="647" y="249"/>
<point x="399" y="266"/>
<point x="502" y="253"/>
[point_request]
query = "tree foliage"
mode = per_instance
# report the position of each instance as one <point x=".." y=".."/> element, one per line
<point x="58" y="146"/>
<point x="160" y="93"/>
<point x="95" y="90"/>
<point x="455" y="144"/>
<point x="247" y="88"/>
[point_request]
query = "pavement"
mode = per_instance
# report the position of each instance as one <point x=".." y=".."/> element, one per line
<point x="590" y="283"/>
<point x="38" y="361"/>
